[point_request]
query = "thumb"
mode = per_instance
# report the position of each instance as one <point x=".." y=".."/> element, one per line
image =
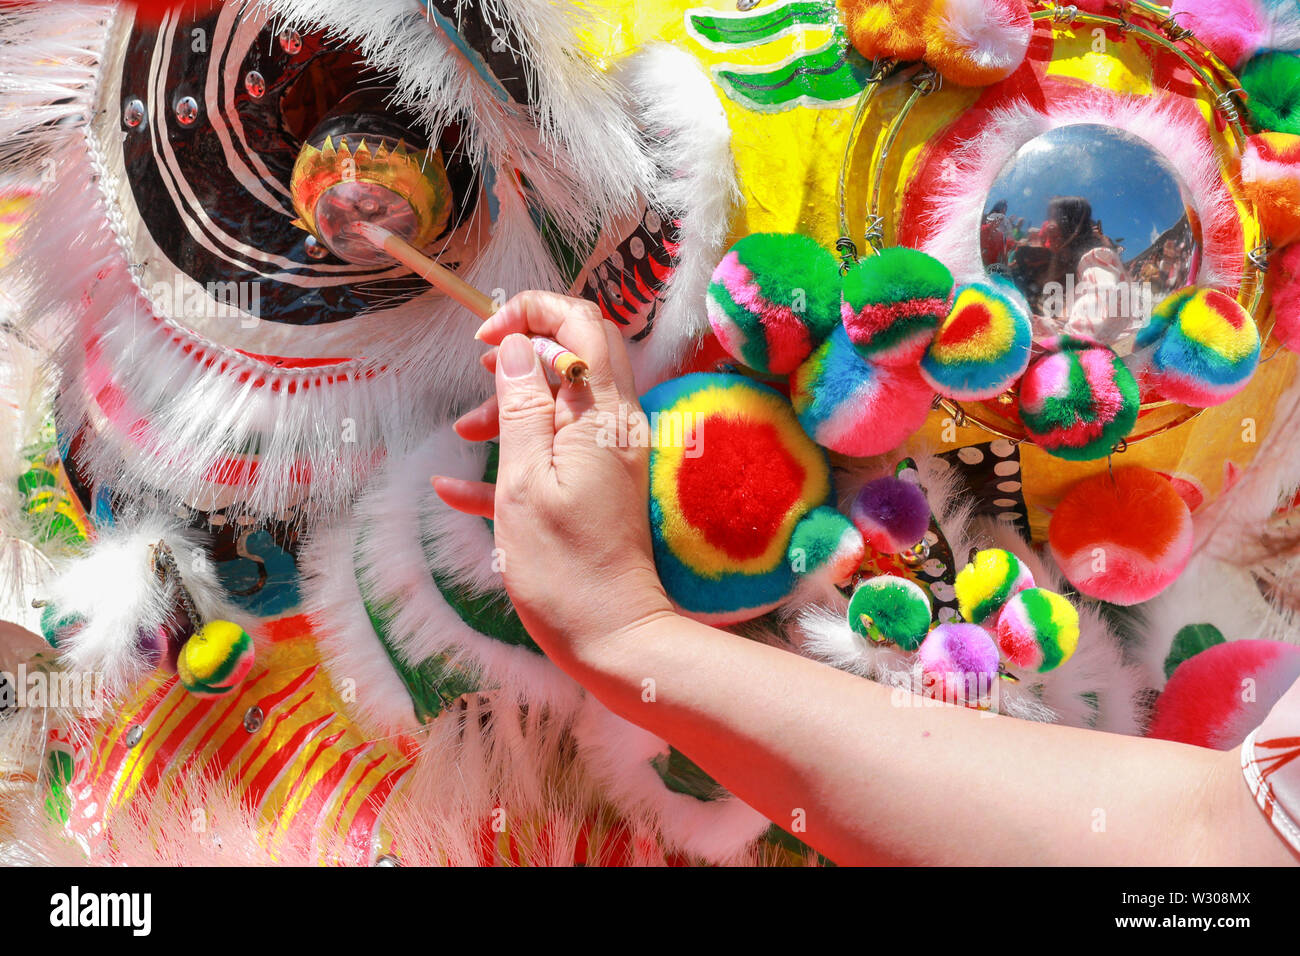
<point x="526" y="412"/>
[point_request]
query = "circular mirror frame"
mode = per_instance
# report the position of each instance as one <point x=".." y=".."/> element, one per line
<point x="1152" y="23"/>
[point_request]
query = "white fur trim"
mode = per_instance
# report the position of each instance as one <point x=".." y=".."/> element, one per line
<point x="618" y="754"/>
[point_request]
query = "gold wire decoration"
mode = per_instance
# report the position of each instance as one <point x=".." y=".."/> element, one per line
<point x="1153" y="23"/>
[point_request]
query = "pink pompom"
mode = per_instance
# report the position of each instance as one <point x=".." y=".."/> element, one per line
<point x="1203" y="703"/>
<point x="1284" y="279"/>
<point x="1232" y="29"/>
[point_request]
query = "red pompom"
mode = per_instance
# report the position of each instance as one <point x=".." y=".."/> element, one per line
<point x="1216" y="698"/>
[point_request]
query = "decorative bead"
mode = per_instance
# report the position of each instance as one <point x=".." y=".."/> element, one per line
<point x="134" y="735"/>
<point x="255" y="84"/>
<point x="133" y="113"/>
<point x="187" y="110"/>
<point x="315" y="248"/>
<point x="290" y="41"/>
<point x="253" y="719"/>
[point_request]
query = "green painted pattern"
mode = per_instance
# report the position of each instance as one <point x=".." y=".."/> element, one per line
<point x="680" y="774"/>
<point x="759" y="26"/>
<point x="59" y="772"/>
<point x="831" y="75"/>
<point x="433" y="684"/>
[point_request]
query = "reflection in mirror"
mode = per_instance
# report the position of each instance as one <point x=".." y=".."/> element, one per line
<point x="1095" y="227"/>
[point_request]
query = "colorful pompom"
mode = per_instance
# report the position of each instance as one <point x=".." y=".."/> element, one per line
<point x="731" y="476"/>
<point x="959" y="663"/>
<point x="1122" y="537"/>
<point x="1078" y="401"/>
<point x="1038" y="630"/>
<point x="893" y="302"/>
<point x="773" y="298"/>
<point x="1284" y="281"/>
<point x="1270" y="173"/>
<point x="854" y="407"/>
<point x="1272" y="85"/>
<point x="978" y="42"/>
<point x="1206" y="347"/>
<point x="1232" y="29"/>
<point x="826" y="544"/>
<point x="887" y="29"/>
<point x="893" y="515"/>
<point x="982" y="347"/>
<point x="1203" y="703"/>
<point x="889" y="609"/>
<point x="991" y="579"/>
<point x="215" y="660"/>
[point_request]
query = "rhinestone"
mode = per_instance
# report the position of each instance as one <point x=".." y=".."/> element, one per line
<point x="134" y="735"/>
<point x="746" y="5"/>
<point x="133" y="113"/>
<point x="290" y="41"/>
<point x="315" y="248"/>
<point x="255" y="83"/>
<point x="917" y="555"/>
<point x="187" y="110"/>
<point x="253" y="718"/>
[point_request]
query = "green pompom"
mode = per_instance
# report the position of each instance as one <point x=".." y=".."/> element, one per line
<point x="773" y="298"/>
<point x="1272" y="83"/>
<point x="891" y="609"/>
<point x="825" y="541"/>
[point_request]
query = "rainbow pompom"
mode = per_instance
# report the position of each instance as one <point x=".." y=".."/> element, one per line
<point x="826" y="545"/>
<point x="1122" y="538"/>
<point x="1078" y="401"/>
<point x="1206" y="347"/>
<point x="960" y="664"/>
<point x="893" y="302"/>
<point x="1038" y="630"/>
<point x="991" y="579"/>
<point x="773" y="298"/>
<point x="731" y="477"/>
<point x="893" y="515"/>
<point x="854" y="407"/>
<point x="215" y="660"/>
<point x="889" y="609"/>
<point x="982" y="347"/>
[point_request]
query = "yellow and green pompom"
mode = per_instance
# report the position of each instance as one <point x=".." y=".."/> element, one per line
<point x="988" y="582"/>
<point x="889" y="609"/>
<point x="773" y="299"/>
<point x="893" y="302"/>
<point x="1038" y="630"/>
<point x="215" y="659"/>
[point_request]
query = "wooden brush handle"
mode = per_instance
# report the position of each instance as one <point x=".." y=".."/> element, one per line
<point x="438" y="276"/>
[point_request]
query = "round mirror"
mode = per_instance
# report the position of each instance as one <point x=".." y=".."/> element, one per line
<point x="1095" y="227"/>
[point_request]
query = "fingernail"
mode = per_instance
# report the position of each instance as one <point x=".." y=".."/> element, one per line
<point x="516" y="357"/>
<point x="479" y="334"/>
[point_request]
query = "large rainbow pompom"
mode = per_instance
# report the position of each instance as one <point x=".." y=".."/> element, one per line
<point x="893" y="302"/>
<point x="982" y="347"/>
<point x="991" y="579"/>
<point x="732" y="475"/>
<point x="854" y="407"/>
<point x="1206" y="347"/>
<point x="1038" y="630"/>
<point x="773" y="298"/>
<point x="1078" y="401"/>
<point x="1122" y="537"/>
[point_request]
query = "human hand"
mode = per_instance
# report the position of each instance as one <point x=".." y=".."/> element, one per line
<point x="571" y="505"/>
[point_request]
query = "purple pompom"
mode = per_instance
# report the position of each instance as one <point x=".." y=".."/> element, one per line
<point x="892" y="515"/>
<point x="959" y="663"/>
